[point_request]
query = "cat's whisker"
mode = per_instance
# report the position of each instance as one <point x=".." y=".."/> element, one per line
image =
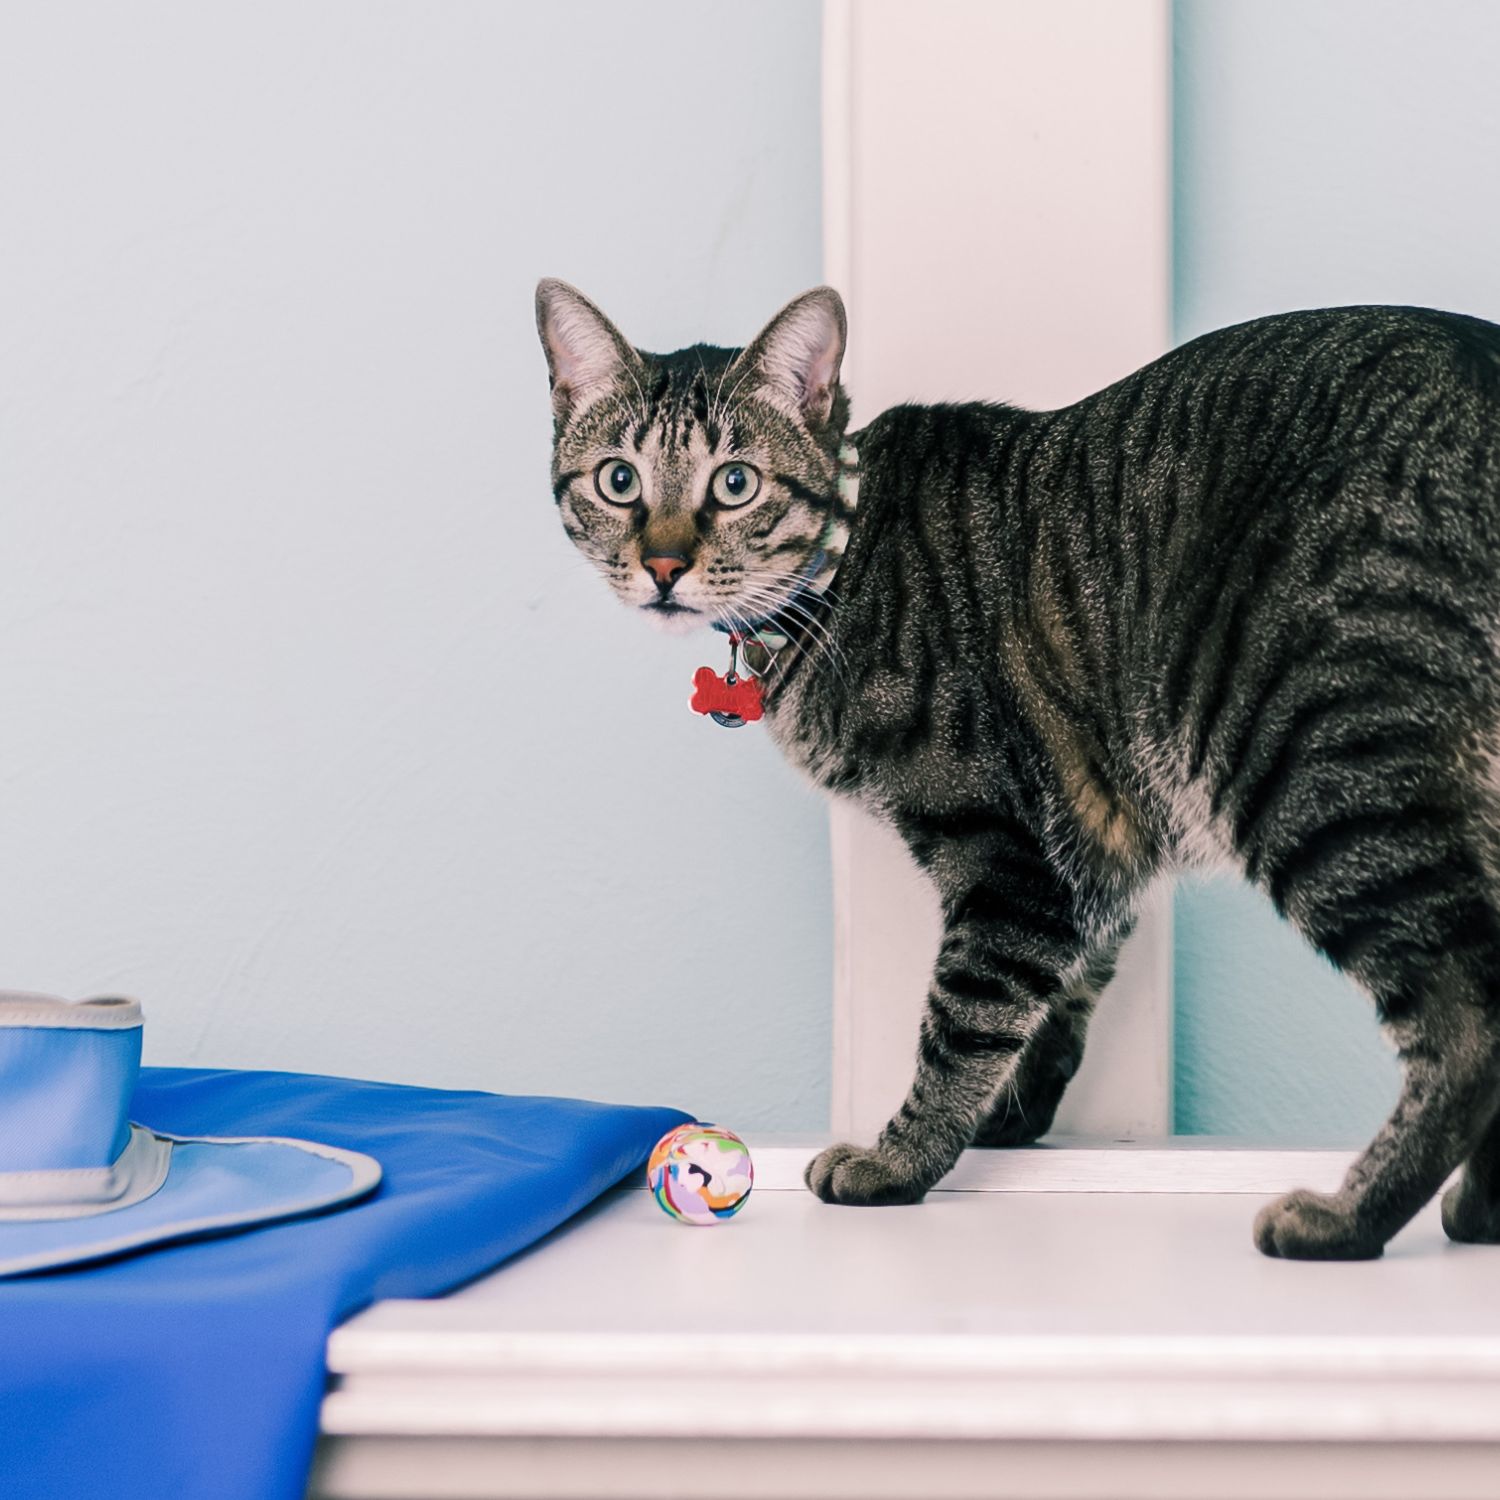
<point x="640" y="392"/>
<point x="767" y="585"/>
<point x="819" y="642"/>
<point x="729" y="399"/>
<point x="708" y="401"/>
<point x="815" y="632"/>
<point x="720" y="404"/>
<point x="785" y="575"/>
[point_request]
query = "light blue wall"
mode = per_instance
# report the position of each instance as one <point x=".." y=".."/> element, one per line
<point x="318" y="736"/>
<point x="1327" y="151"/>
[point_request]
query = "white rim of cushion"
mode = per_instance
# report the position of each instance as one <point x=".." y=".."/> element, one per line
<point x="84" y="1192"/>
<point x="109" y="1013"/>
<point x="364" y="1175"/>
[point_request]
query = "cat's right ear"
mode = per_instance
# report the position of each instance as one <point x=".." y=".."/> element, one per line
<point x="586" y="353"/>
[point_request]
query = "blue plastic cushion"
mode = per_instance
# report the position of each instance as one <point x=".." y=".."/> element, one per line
<point x="78" y="1083"/>
<point x="196" y="1371"/>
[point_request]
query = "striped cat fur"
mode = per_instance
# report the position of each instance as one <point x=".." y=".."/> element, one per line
<point x="1240" y="607"/>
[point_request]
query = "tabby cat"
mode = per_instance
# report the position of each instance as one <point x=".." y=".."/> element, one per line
<point x="1240" y="606"/>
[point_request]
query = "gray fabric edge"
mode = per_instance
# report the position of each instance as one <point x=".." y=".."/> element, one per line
<point x="364" y="1176"/>
<point x="86" y="1192"/>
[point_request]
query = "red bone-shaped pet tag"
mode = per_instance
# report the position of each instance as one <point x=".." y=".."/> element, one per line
<point x="730" y="701"/>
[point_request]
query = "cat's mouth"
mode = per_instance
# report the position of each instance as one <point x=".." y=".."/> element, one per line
<point x="674" y="618"/>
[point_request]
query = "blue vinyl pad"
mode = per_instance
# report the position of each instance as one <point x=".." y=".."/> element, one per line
<point x="195" y="1371"/>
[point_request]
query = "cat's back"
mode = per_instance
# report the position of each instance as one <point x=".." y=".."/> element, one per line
<point x="1297" y="418"/>
<point x="1315" y="475"/>
<point x="1324" y="385"/>
<point x="1348" y="346"/>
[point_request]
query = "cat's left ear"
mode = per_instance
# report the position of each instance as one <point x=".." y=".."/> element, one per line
<point x="799" y="353"/>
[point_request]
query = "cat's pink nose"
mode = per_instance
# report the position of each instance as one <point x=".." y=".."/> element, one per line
<point x="665" y="567"/>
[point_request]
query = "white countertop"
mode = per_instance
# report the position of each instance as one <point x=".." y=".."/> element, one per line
<point x="1029" y="1307"/>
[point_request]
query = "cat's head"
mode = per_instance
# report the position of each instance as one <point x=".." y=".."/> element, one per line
<point x="703" y="485"/>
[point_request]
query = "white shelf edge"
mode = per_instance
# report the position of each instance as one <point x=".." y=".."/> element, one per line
<point x="1061" y="1164"/>
<point x="417" y="1351"/>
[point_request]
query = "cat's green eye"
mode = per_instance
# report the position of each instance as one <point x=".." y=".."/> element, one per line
<point x="617" y="482"/>
<point x="735" y="484"/>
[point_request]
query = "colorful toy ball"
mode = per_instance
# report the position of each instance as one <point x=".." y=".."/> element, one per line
<point x="700" y="1174"/>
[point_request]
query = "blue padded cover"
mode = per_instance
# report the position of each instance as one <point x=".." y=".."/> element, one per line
<point x="195" y="1371"/>
<point x="76" y="1080"/>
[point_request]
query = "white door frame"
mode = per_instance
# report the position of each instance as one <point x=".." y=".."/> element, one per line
<point x="996" y="196"/>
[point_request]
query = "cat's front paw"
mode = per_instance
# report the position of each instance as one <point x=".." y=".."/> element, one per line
<point x="861" y="1175"/>
<point x="1312" y="1226"/>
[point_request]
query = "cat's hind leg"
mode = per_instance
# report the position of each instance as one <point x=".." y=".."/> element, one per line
<point x="1471" y="1207"/>
<point x="1401" y="899"/>
<point x="1451" y="1085"/>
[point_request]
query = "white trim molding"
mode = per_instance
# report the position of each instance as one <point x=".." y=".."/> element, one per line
<point x="996" y="198"/>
